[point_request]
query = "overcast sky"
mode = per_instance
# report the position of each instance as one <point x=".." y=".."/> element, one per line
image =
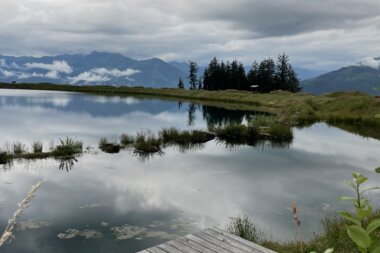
<point x="317" y="34"/>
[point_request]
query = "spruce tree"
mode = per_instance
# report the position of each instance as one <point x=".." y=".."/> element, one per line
<point x="181" y="84"/>
<point x="193" y="80"/>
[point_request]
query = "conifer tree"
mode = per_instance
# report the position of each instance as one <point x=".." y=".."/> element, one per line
<point x="181" y="84"/>
<point x="193" y="80"/>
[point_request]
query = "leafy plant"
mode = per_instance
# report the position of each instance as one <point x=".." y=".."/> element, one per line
<point x="362" y="230"/>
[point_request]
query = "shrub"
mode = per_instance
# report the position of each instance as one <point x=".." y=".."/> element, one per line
<point x="37" y="147"/>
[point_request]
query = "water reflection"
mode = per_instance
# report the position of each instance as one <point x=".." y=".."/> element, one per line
<point x="169" y="195"/>
<point x="66" y="164"/>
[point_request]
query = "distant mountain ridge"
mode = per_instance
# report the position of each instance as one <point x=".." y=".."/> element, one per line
<point x="94" y="68"/>
<point x="360" y="77"/>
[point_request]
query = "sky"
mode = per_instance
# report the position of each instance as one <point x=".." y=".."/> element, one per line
<point x="316" y="34"/>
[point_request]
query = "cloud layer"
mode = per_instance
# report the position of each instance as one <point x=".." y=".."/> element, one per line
<point x="99" y="75"/>
<point x="316" y="34"/>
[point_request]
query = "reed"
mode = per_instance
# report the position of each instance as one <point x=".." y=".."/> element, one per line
<point x="8" y="234"/>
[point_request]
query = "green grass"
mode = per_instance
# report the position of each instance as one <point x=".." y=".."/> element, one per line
<point x="185" y="138"/>
<point x="333" y="235"/>
<point x="127" y="140"/>
<point x="237" y="134"/>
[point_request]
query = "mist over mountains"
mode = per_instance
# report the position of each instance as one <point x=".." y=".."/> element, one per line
<point x="95" y="68"/>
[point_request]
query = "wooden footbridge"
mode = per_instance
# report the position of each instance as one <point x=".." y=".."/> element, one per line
<point x="211" y="240"/>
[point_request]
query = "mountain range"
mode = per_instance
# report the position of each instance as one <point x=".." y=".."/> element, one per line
<point x="94" y="68"/>
<point x="360" y="77"/>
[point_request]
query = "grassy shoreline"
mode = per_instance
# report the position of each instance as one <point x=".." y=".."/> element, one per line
<point x="296" y="109"/>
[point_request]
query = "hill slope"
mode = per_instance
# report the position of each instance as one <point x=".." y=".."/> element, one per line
<point x="353" y="78"/>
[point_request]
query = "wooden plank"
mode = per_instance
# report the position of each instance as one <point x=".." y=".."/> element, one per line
<point x="195" y="246"/>
<point x="155" y="250"/>
<point x="182" y="247"/>
<point x="229" y="241"/>
<point x="169" y="249"/>
<point x="220" y="243"/>
<point x="212" y="240"/>
<point x="206" y="244"/>
<point x="244" y="242"/>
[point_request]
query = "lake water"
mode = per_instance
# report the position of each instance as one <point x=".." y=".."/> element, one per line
<point x="122" y="203"/>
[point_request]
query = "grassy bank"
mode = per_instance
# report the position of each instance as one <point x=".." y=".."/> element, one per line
<point x="339" y="108"/>
<point x="333" y="234"/>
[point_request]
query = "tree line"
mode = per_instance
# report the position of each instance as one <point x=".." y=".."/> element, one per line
<point x="264" y="77"/>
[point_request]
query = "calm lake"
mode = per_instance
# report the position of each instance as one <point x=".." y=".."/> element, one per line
<point x="123" y="203"/>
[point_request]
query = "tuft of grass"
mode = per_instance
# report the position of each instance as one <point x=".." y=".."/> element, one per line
<point x="245" y="228"/>
<point x="127" y="140"/>
<point x="237" y="134"/>
<point x="18" y="148"/>
<point x="279" y="132"/>
<point x="106" y="146"/>
<point x="147" y="142"/>
<point x="68" y="147"/>
<point x="185" y="138"/>
<point x="37" y="147"/>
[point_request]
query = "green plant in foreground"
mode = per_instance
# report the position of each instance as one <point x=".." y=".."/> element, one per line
<point x="362" y="232"/>
<point x="245" y="228"/>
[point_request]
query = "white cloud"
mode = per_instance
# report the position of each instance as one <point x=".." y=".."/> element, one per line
<point x="98" y="75"/>
<point x="89" y="77"/>
<point x="175" y="30"/>
<point x="7" y="73"/>
<point x="115" y="72"/>
<point x="3" y="63"/>
<point x="56" y="67"/>
<point x="370" y="62"/>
